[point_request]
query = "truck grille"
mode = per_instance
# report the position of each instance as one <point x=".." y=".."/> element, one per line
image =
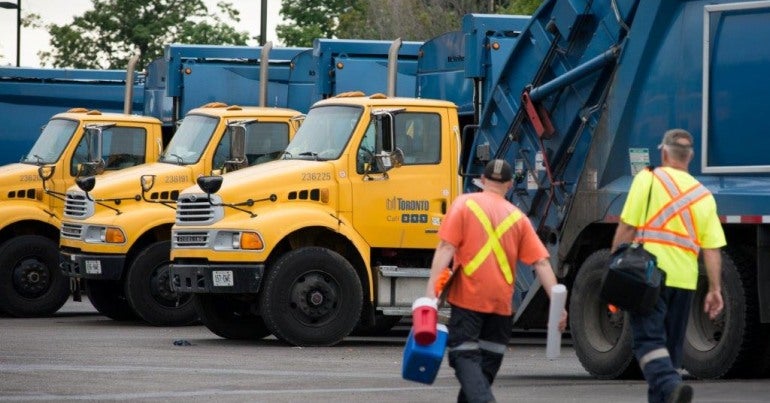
<point x="190" y="239"/>
<point x="77" y="206"/>
<point x="195" y="209"/>
<point x="70" y="230"/>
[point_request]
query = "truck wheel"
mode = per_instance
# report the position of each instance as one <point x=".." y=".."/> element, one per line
<point x="312" y="297"/>
<point x="31" y="283"/>
<point x="601" y="336"/>
<point x="148" y="289"/>
<point x="108" y="298"/>
<point x="229" y="317"/>
<point x="729" y="345"/>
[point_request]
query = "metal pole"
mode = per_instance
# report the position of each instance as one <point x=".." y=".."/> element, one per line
<point x="18" y="33"/>
<point x="263" y="24"/>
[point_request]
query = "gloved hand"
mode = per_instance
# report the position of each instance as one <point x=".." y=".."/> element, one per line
<point x="442" y="281"/>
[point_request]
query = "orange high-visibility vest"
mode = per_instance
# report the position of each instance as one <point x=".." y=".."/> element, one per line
<point x="493" y="245"/>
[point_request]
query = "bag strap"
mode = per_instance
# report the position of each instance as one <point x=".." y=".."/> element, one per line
<point x="649" y="197"/>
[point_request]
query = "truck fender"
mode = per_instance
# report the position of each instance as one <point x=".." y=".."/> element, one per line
<point x="290" y="219"/>
<point x="26" y="212"/>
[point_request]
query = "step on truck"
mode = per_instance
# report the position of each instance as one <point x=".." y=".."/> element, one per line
<point x="115" y="235"/>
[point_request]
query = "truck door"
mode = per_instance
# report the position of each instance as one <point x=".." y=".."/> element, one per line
<point x="403" y="206"/>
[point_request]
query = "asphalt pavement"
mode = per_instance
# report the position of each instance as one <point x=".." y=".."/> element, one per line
<point x="80" y="355"/>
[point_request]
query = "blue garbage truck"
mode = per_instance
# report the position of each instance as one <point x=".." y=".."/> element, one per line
<point x="580" y="107"/>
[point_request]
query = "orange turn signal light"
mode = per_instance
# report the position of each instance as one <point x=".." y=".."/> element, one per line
<point x="114" y="235"/>
<point x="251" y="240"/>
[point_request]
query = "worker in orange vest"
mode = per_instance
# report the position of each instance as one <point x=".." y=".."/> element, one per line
<point x="484" y="236"/>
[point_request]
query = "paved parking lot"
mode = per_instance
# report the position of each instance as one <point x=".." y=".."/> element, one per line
<point x="80" y="355"/>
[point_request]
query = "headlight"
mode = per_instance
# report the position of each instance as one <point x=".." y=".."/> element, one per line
<point x="99" y="234"/>
<point x="238" y="240"/>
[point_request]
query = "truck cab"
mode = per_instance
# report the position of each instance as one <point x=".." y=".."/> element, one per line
<point x="290" y="247"/>
<point x="116" y="231"/>
<point x="72" y="144"/>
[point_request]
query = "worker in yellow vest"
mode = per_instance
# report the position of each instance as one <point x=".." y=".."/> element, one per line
<point x="484" y="236"/>
<point x="675" y="217"/>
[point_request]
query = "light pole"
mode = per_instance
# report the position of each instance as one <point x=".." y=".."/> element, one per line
<point x="17" y="6"/>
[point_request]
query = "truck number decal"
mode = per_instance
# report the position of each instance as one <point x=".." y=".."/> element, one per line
<point x="175" y="179"/>
<point x="28" y="178"/>
<point x="316" y="176"/>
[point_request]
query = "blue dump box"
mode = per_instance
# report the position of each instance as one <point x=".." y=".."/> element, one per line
<point x="421" y="363"/>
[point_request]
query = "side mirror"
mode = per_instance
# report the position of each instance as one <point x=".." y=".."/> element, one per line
<point x="237" y="158"/>
<point x="86" y="184"/>
<point x="210" y="184"/>
<point x="147" y="182"/>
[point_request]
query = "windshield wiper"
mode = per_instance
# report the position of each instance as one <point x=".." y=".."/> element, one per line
<point x="309" y="154"/>
<point x="179" y="159"/>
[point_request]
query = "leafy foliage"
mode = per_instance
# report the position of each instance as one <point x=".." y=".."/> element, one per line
<point x="310" y="19"/>
<point x="386" y="20"/>
<point x="109" y="34"/>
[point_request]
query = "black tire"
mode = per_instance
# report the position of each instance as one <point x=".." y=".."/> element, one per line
<point x="602" y="338"/>
<point x="312" y="297"/>
<point x="108" y="298"/>
<point x="731" y="345"/>
<point x="31" y="283"/>
<point x="149" y="292"/>
<point x="230" y="318"/>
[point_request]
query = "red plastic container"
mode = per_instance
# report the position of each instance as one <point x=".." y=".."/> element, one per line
<point x="424" y="320"/>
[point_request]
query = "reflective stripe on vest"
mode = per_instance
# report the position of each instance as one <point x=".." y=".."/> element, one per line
<point x="493" y="241"/>
<point x="679" y="205"/>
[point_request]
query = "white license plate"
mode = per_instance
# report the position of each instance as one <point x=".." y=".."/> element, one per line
<point x="93" y="267"/>
<point x="223" y="278"/>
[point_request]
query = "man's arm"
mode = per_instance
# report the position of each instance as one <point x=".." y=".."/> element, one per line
<point x="713" y="302"/>
<point x="441" y="258"/>
<point x="623" y="234"/>
<point x="548" y="280"/>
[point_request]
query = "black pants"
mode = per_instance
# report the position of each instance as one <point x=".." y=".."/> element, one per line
<point x="477" y="344"/>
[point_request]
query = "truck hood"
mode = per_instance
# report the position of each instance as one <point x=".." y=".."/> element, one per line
<point x="279" y="177"/>
<point x="20" y="181"/>
<point x="126" y="182"/>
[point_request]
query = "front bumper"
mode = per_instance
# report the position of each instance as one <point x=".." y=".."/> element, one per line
<point x="91" y="266"/>
<point x="212" y="278"/>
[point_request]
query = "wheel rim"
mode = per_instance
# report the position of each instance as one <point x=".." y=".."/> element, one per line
<point x="603" y="322"/>
<point x="314" y="298"/>
<point x="160" y="288"/>
<point x="31" y="278"/>
<point x="704" y="334"/>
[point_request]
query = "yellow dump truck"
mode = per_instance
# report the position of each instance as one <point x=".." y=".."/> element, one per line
<point x="116" y="233"/>
<point x="313" y="245"/>
<point x="73" y="143"/>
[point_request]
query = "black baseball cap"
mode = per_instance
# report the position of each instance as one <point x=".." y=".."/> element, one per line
<point x="498" y="170"/>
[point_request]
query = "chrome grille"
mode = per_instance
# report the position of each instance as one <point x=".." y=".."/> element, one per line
<point x="77" y="206"/>
<point x="195" y="209"/>
<point x="190" y="239"/>
<point x="70" y="230"/>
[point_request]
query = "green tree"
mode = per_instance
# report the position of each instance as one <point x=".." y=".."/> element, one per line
<point x="114" y="30"/>
<point x="310" y="19"/>
<point x="521" y="7"/>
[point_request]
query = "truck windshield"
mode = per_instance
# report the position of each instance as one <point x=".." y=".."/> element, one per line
<point x="324" y="133"/>
<point x="190" y="140"/>
<point x="52" y="141"/>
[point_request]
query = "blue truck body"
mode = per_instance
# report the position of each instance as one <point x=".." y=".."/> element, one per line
<point x="581" y="105"/>
<point x="29" y="97"/>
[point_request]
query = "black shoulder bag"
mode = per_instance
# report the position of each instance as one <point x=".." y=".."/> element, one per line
<point x="633" y="281"/>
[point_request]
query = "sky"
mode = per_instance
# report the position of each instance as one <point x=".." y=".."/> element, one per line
<point x="63" y="11"/>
